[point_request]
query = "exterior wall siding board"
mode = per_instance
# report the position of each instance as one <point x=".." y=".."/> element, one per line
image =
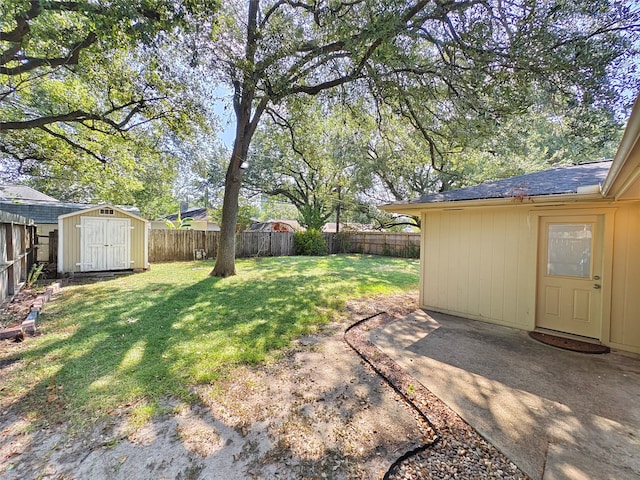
<point x="477" y="270"/>
<point x="497" y="264"/>
<point x="464" y="259"/>
<point x="625" y="311"/>
<point x="474" y="265"/>
<point x="510" y="272"/>
<point x="484" y="256"/>
<point x="526" y="255"/>
<point x="453" y="261"/>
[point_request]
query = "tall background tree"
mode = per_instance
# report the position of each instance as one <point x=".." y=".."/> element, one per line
<point x="307" y="159"/>
<point x="86" y="98"/>
<point x="440" y="85"/>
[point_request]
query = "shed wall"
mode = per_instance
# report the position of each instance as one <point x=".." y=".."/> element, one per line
<point x="71" y="241"/>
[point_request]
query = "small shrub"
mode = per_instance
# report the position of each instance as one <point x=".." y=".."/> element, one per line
<point x="34" y="274"/>
<point x="413" y="251"/>
<point x="310" y="242"/>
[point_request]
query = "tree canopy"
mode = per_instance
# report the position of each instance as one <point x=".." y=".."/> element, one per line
<point x="447" y="67"/>
<point x="308" y="159"/>
<point x="86" y="95"/>
<point x="433" y="94"/>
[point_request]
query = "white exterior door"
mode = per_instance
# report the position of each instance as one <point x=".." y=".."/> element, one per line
<point x="105" y="243"/>
<point x="569" y="295"/>
<point x="118" y="243"/>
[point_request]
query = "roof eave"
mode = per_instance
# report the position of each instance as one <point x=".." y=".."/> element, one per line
<point x="413" y="208"/>
<point x="625" y="167"/>
<point x="103" y="205"/>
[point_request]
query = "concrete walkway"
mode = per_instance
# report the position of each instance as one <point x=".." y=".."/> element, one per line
<point x="556" y="414"/>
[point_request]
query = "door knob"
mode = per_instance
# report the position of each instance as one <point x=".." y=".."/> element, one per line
<point x="597" y="286"/>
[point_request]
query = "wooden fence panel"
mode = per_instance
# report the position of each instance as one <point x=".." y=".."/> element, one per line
<point x="406" y="245"/>
<point x="168" y="245"/>
<point x="17" y="253"/>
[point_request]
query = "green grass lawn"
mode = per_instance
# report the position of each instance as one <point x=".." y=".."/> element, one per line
<point x="137" y="339"/>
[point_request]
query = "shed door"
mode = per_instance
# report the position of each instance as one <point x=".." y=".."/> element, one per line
<point x="105" y="243"/>
<point x="569" y="297"/>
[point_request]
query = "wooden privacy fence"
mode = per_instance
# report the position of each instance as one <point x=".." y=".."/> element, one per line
<point x="168" y="245"/>
<point x="17" y="252"/>
<point x="405" y="245"/>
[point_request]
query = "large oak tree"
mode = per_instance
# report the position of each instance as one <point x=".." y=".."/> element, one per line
<point x="87" y="95"/>
<point x="472" y="56"/>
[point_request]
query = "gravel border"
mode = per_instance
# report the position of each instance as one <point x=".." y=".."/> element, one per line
<point x="456" y="450"/>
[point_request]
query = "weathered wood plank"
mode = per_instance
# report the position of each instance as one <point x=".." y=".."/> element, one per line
<point x="171" y="245"/>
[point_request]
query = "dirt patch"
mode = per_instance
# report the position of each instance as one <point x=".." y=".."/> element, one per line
<point x="16" y="310"/>
<point x="319" y="411"/>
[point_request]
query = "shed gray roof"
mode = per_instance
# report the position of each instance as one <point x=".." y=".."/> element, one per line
<point x="556" y="181"/>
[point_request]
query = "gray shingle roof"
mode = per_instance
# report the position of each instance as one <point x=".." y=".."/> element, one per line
<point x="41" y="212"/>
<point x="197" y="213"/>
<point x="22" y="192"/>
<point x="556" y="181"/>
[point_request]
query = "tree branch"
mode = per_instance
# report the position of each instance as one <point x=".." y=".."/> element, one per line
<point x="80" y="116"/>
<point x="31" y="63"/>
<point x="75" y="145"/>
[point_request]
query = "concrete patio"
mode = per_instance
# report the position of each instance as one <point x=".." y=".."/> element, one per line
<point x="556" y="414"/>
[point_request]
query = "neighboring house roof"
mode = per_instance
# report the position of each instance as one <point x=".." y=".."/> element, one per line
<point x="10" y="192"/>
<point x="292" y="223"/>
<point x="41" y="208"/>
<point x="269" y="227"/>
<point x="585" y="178"/>
<point x="197" y="213"/>
<point x="40" y="212"/>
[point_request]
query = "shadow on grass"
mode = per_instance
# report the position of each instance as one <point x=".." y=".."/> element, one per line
<point x="136" y="340"/>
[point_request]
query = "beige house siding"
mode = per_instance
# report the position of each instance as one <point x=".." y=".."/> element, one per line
<point x="481" y="263"/>
<point x="477" y="263"/>
<point x="70" y="242"/>
<point x="625" y="304"/>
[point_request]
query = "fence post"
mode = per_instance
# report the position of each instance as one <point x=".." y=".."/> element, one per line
<point x="53" y="246"/>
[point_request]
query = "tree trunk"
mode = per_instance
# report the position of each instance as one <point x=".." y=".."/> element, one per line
<point x="244" y="94"/>
<point x="226" y="257"/>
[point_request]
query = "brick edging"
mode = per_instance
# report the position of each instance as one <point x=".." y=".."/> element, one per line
<point x="29" y="324"/>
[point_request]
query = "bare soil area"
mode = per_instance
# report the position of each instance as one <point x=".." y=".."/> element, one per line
<point x="15" y="311"/>
<point x="319" y="411"/>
